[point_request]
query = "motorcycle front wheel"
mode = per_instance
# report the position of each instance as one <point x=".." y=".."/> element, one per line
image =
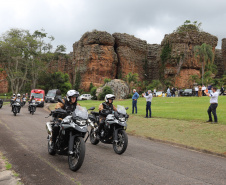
<point x="15" y="111"/>
<point x="76" y="159"/>
<point x="51" y="151"/>
<point x="93" y="138"/>
<point x="120" y="146"/>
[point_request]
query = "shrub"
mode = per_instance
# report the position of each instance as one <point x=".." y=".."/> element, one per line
<point x="106" y="90"/>
<point x="129" y="96"/>
<point x="93" y="93"/>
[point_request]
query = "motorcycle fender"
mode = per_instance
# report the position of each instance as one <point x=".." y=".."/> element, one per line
<point x="81" y="128"/>
<point x="124" y="124"/>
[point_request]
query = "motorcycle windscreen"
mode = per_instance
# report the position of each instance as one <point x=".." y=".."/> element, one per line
<point x="80" y="112"/>
<point x="121" y="109"/>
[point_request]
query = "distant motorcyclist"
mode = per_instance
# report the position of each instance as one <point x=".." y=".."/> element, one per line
<point x="31" y="101"/>
<point x="17" y="99"/>
<point x="69" y="104"/>
<point x="105" y="108"/>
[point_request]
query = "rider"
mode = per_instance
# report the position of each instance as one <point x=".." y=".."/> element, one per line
<point x="30" y="101"/>
<point x="18" y="99"/>
<point x="69" y="104"/>
<point x="105" y="108"/>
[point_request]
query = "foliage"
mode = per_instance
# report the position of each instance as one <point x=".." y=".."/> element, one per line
<point x="57" y="80"/>
<point x="106" y="90"/>
<point x="93" y="93"/>
<point x="188" y="26"/>
<point x="24" y="56"/>
<point x="78" y="80"/>
<point x="106" y="80"/>
<point x="155" y="84"/>
<point x="131" y="78"/>
<point x="91" y="86"/>
<point x="129" y="96"/>
<point x="195" y="79"/>
<point x="205" y="54"/>
<point x="166" y="53"/>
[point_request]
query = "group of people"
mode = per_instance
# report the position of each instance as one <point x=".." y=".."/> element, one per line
<point x="18" y="98"/>
<point x="212" y="93"/>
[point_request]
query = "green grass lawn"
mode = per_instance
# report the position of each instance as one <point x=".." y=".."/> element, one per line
<point x="179" y="120"/>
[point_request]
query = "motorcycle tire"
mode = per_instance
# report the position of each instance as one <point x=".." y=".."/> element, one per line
<point x="0" y="106"/>
<point x="76" y="159"/>
<point x="122" y="142"/>
<point x="32" y="112"/>
<point x="93" y="139"/>
<point x="51" y="151"/>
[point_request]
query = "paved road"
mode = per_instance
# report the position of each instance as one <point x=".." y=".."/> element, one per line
<point x="23" y="141"/>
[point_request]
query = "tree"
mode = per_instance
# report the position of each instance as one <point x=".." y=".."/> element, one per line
<point x="14" y="56"/>
<point x="189" y="26"/>
<point x="155" y="84"/>
<point x="205" y="54"/>
<point x="130" y="77"/>
<point x="57" y="80"/>
<point x="106" y="90"/>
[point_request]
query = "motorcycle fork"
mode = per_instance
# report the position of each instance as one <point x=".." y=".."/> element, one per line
<point x="71" y="143"/>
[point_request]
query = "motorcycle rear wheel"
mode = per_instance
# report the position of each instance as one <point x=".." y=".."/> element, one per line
<point x="93" y="139"/>
<point x="76" y="159"/>
<point x="15" y="111"/>
<point x="121" y="145"/>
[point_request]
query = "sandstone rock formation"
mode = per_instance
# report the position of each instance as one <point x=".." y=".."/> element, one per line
<point x="132" y="53"/>
<point x="63" y="64"/>
<point x="182" y="63"/>
<point x="223" y="47"/>
<point x="119" y="87"/>
<point x="95" y="58"/>
<point x="218" y="61"/>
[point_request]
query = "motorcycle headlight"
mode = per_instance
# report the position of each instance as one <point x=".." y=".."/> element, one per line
<point x="122" y="119"/>
<point x="81" y="122"/>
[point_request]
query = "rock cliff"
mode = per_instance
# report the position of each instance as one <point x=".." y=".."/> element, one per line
<point x="181" y="62"/>
<point x="131" y="53"/>
<point x="223" y="47"/>
<point x="95" y="58"/>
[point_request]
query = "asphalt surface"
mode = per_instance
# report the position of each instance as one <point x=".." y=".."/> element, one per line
<point x="23" y="141"/>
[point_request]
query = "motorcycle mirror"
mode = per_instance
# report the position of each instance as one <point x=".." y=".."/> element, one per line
<point x="127" y="108"/>
<point x="91" y="108"/>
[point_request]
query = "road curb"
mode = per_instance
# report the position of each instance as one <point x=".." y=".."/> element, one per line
<point x="7" y="176"/>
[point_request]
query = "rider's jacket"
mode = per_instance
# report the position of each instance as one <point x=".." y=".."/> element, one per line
<point x="106" y="108"/>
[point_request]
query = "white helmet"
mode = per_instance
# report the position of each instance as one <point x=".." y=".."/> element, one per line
<point x="72" y="93"/>
<point x="18" y="95"/>
<point x="14" y="95"/>
<point x="109" y="96"/>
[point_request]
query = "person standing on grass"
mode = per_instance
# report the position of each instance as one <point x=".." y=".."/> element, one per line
<point x="134" y="99"/>
<point x="203" y="89"/>
<point x="148" y="97"/>
<point x="213" y="104"/>
<point x="222" y="90"/>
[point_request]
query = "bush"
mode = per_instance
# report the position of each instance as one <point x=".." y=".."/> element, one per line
<point x="106" y="80"/>
<point x="129" y="96"/>
<point x="93" y="93"/>
<point x="106" y="90"/>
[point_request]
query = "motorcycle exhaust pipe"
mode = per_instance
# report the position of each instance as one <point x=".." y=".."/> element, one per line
<point x="49" y="128"/>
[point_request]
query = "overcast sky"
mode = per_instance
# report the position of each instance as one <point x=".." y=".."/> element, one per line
<point x="150" y="20"/>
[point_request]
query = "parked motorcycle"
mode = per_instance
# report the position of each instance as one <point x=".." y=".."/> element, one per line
<point x="16" y="106"/>
<point x="70" y="139"/>
<point x="113" y="131"/>
<point x="1" y="103"/>
<point x="32" y="107"/>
